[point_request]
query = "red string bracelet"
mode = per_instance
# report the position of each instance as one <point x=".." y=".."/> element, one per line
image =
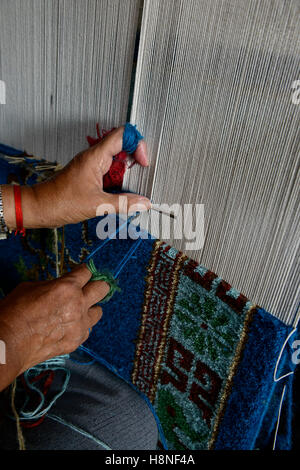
<point x="19" y="214"/>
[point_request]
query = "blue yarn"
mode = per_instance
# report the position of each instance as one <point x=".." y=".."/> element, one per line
<point x="109" y="238"/>
<point x="131" y="138"/>
<point x="83" y="363"/>
<point x="107" y="276"/>
<point x="127" y="257"/>
<point x="121" y="265"/>
<point x="79" y="430"/>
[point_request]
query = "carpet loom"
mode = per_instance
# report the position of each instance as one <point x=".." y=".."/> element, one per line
<point x="200" y="352"/>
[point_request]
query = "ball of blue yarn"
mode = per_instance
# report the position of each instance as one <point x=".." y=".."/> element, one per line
<point x="131" y="138"/>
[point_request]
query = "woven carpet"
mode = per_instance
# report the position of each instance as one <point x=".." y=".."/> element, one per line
<point x="198" y="350"/>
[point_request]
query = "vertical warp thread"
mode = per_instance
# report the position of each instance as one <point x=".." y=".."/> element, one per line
<point x="56" y="252"/>
<point x="20" y="436"/>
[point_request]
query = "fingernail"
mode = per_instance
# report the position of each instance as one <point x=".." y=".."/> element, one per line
<point x="145" y="201"/>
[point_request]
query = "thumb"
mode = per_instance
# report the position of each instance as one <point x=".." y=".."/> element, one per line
<point x="124" y="203"/>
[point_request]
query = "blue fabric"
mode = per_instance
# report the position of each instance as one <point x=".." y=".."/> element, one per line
<point x="253" y="420"/>
<point x="6" y="150"/>
<point x="284" y="439"/>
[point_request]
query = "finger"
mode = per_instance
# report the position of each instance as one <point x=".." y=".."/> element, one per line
<point x="81" y="275"/>
<point x="94" y="315"/>
<point x="125" y="203"/>
<point x="95" y="291"/>
<point x="112" y="144"/>
<point x="141" y="154"/>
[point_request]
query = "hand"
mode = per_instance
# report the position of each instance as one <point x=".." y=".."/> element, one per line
<point x="76" y="192"/>
<point x="40" y="320"/>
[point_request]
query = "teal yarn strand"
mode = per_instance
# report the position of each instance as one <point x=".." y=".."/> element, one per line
<point x="131" y="138"/>
<point x="79" y="431"/>
<point x="54" y="364"/>
<point x="103" y="276"/>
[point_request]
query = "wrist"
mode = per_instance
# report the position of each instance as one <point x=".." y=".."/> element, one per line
<point x="28" y="204"/>
<point x="38" y="212"/>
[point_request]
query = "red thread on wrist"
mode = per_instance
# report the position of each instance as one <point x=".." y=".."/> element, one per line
<point x="19" y="214"/>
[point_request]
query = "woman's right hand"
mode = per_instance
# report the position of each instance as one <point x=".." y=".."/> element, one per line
<point x="40" y="320"/>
